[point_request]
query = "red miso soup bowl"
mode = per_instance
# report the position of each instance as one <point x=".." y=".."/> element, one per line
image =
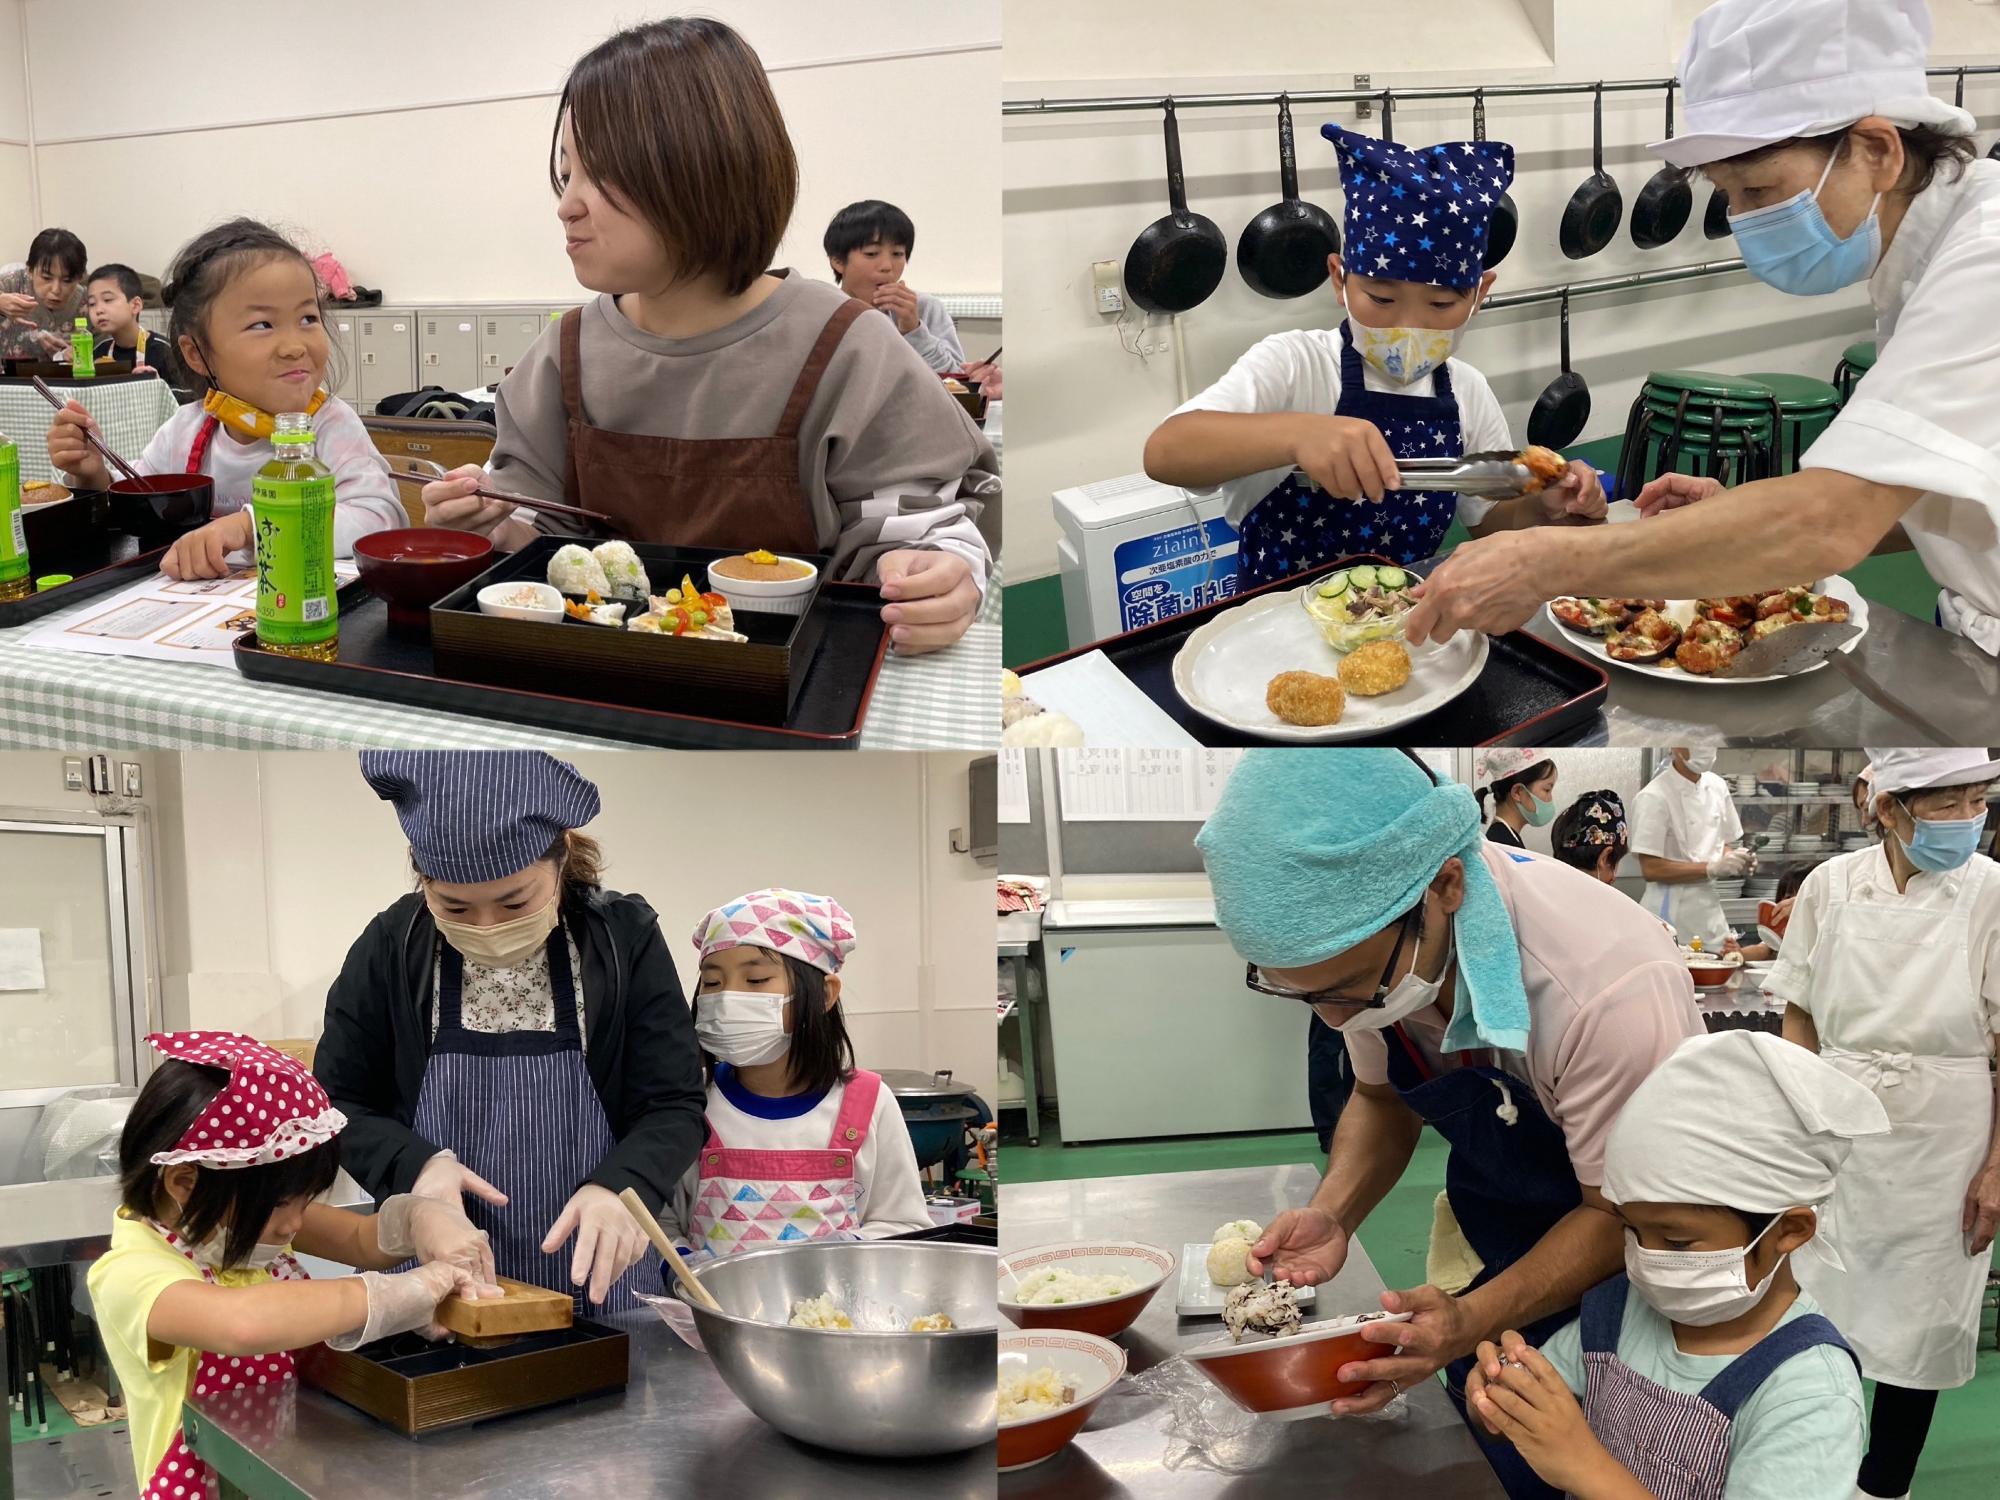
<point x="159" y="508"/>
<point x="413" y="567"/>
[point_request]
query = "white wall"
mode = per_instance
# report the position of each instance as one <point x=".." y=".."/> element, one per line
<point x="413" y="140"/>
<point x="16" y="227"/>
<point x="275" y="862"/>
<point x="1079" y="188"/>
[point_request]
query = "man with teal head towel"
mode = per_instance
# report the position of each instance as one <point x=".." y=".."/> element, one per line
<point x="1505" y="999"/>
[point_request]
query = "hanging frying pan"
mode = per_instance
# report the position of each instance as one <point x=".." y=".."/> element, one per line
<point x="1505" y="223"/>
<point x="1661" y="210"/>
<point x="1561" y="410"/>
<point x="1715" y="219"/>
<point x="1178" y="260"/>
<point x="1283" y="251"/>
<point x="1591" y="216"/>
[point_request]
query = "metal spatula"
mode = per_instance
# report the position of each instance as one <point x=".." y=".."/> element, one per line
<point x="1801" y="647"/>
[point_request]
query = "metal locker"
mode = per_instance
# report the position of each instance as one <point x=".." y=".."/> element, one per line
<point x="504" y="337"/>
<point x="448" y="348"/>
<point x="386" y="341"/>
<point x="346" y="369"/>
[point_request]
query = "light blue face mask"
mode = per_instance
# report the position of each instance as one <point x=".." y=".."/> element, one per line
<point x="1539" y="813"/>
<point x="1943" y="844"/>
<point x="1791" y="246"/>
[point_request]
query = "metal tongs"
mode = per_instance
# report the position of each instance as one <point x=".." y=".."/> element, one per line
<point x="1495" y="475"/>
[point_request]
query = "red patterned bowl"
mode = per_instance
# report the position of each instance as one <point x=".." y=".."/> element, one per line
<point x="1292" y="1378"/>
<point x="1146" y="1266"/>
<point x="1091" y="1364"/>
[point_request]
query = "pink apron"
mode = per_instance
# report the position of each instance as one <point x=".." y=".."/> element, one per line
<point x="179" y="1474"/>
<point x="753" y="1199"/>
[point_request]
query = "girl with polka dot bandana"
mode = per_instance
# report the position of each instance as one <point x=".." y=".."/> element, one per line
<point x="222" y="1163"/>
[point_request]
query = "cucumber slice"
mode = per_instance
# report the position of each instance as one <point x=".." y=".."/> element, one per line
<point x="1362" y="577"/>
<point x="1392" y="578"/>
<point x="1334" y="586"/>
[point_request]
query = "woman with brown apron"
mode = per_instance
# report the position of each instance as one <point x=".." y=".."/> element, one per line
<point x="703" y="399"/>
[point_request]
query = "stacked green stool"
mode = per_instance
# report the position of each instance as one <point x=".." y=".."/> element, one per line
<point x="1805" y="408"/>
<point x="1700" y="421"/>
<point x="1856" y="360"/>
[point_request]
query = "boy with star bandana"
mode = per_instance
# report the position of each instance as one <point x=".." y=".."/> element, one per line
<point x="1302" y="436"/>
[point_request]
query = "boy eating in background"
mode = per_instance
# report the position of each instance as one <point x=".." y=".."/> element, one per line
<point x="1721" y="1380"/>
<point x="113" y="301"/>
<point x="869" y="245"/>
<point x="1342" y="405"/>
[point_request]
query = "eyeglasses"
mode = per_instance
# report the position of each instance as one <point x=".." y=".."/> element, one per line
<point x="1414" y="917"/>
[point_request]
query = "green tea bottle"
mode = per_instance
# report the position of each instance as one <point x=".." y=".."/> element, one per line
<point x="16" y="577"/>
<point x="292" y="501"/>
<point x="82" y="352"/>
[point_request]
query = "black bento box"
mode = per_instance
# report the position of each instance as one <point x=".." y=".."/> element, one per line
<point x="754" y="681"/>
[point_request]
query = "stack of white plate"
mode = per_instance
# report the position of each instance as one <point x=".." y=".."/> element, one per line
<point x="1729" y="890"/>
<point x="1804" y="789"/>
<point x="1745" y="785"/>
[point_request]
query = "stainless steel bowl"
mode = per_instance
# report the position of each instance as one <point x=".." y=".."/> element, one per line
<point x="887" y="1395"/>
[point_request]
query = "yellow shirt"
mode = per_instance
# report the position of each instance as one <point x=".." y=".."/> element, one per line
<point x="123" y="1286"/>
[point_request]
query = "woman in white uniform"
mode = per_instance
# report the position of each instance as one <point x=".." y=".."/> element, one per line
<point x="1816" y="119"/>
<point x="1685" y="832"/>
<point x="1891" y="972"/>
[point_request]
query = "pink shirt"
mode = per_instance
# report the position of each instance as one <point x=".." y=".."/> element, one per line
<point x="1608" y="999"/>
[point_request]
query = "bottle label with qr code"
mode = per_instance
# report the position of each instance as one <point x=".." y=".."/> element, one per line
<point x="292" y="521"/>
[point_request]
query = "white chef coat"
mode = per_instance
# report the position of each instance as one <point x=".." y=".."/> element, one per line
<point x="1674" y="818"/>
<point x="1299" y="370"/>
<point x="1926" y="415"/>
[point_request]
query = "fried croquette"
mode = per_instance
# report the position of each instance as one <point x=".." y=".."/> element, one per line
<point x="1306" y="698"/>
<point x="1376" y="668"/>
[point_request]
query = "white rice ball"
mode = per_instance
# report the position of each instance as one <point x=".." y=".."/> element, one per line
<point x="1229" y="1263"/>
<point x="575" y="571"/>
<point x="627" y="575"/>
<point x="1240" y="1229"/>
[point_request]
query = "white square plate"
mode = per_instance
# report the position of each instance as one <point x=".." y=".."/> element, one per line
<point x="1198" y="1297"/>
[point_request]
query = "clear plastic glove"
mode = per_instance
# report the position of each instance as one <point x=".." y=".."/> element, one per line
<point x="1730" y="864"/>
<point x="406" y="1301"/>
<point x="609" y="1241"/>
<point x="447" y="1179"/>
<point x="433" y="1229"/>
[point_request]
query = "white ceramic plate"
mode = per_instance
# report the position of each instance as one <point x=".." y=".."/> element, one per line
<point x="1198" y="1297"/>
<point x="1681" y="612"/>
<point x="1223" y="667"/>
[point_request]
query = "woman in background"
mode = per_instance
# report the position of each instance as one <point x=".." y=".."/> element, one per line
<point x="1523" y="787"/>
<point x="42" y="297"/>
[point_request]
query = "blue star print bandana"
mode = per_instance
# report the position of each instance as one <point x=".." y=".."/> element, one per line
<point x="1419" y="213"/>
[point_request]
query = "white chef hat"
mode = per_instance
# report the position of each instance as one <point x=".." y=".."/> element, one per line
<point x="1918" y="770"/>
<point x="1740" y="1119"/>
<point x="1761" y="71"/>
<point x="1489" y="766"/>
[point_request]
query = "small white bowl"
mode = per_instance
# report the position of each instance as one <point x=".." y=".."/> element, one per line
<point x="551" y="607"/>
<point x="781" y="596"/>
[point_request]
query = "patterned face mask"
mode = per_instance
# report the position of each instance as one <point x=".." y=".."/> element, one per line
<point x="1405" y="355"/>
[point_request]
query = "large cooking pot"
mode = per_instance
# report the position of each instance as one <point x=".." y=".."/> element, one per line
<point x="935" y="1108"/>
<point x="888" y="1395"/>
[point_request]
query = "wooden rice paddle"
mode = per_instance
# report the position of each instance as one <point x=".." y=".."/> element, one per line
<point x="689" y="1282"/>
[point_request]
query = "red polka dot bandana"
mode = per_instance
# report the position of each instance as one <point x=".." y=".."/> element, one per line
<point x="814" y="929"/>
<point x="270" y="1109"/>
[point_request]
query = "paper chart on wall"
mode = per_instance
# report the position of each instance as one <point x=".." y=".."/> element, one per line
<point x="1142" y="786"/>
<point x="1012" y="799"/>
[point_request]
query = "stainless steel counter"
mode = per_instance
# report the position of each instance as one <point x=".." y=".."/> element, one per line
<point x="674" y="1431"/>
<point x="1426" y="1452"/>
<point x="1951" y="682"/>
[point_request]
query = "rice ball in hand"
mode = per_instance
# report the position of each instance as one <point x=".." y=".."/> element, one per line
<point x="1240" y="1229"/>
<point x="1229" y="1263"/>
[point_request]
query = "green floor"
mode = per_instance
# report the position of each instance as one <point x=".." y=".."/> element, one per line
<point x="1961" y="1460"/>
<point x="1032" y="626"/>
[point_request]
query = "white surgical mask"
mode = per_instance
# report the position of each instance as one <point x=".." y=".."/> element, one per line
<point x="1701" y="760"/>
<point x="261" y="1257"/>
<point x="504" y="944"/>
<point x="741" y="1029"/>
<point x="1409" y="996"/>
<point x="1697" y="1287"/>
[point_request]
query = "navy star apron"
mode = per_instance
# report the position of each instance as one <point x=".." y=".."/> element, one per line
<point x="1297" y="527"/>
<point x="1509" y="1181"/>
<point x="518" y="1108"/>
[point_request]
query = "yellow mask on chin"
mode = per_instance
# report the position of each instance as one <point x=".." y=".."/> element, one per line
<point x="251" y="421"/>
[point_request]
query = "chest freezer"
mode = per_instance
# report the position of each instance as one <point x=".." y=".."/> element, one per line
<point x="1134" y="552"/>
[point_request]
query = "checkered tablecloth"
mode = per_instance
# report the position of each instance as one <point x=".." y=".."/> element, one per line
<point x="948" y="700"/>
<point x="128" y="413"/>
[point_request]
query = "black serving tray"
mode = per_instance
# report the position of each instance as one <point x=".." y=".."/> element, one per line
<point x="376" y="663"/>
<point x="1529" y="693"/>
<point x="755" y="681"/>
<point x="75" y="536"/>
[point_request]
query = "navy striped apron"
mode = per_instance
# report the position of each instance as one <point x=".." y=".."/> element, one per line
<point x="518" y="1108"/>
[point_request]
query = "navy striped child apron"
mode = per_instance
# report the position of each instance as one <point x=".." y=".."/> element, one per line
<point x="518" y="1108"/>
<point x="1297" y="527"/>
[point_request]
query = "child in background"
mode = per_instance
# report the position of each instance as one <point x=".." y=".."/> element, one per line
<point x="246" y="324"/>
<point x="1312" y="421"/>
<point x="221" y="1164"/>
<point x="703" y="399"/>
<point x="113" y="300"/>
<point x="869" y="245"/>
<point x="802" y="1145"/>
<point x="1721" y="1380"/>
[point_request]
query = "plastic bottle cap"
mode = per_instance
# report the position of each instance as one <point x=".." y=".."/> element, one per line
<point x="53" y="580"/>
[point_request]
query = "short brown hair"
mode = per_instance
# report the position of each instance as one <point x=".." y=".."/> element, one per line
<point x="676" y="118"/>
<point x="578" y="858"/>
<point x="1926" y="150"/>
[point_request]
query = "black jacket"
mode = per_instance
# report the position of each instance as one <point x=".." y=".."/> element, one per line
<point x="641" y="1049"/>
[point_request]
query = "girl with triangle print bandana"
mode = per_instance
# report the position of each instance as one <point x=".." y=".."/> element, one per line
<point x="802" y="1145"/>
